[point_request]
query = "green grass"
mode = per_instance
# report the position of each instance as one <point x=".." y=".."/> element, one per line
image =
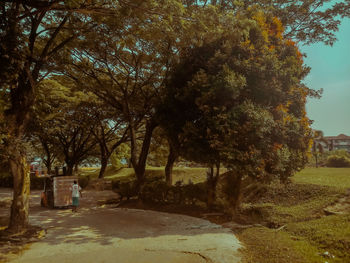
<point x="307" y="233"/>
<point x="272" y="246"/>
<point x="196" y="175"/>
<point x="331" y="233"/>
<point x="335" y="177"/>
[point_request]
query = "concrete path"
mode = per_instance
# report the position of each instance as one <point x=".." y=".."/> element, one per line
<point x="107" y="234"/>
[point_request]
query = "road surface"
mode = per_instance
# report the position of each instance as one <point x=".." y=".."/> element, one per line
<point x="108" y="234"/>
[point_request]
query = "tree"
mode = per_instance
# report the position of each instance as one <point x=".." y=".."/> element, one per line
<point x="126" y="69"/>
<point x="305" y="21"/>
<point x="110" y="132"/>
<point x="241" y="102"/>
<point x="120" y="157"/>
<point x="158" y="149"/>
<point x="67" y="117"/>
<point x="33" y="34"/>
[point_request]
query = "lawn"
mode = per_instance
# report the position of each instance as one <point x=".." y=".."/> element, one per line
<point x="334" y="177"/>
<point x="295" y="226"/>
<point x="179" y="173"/>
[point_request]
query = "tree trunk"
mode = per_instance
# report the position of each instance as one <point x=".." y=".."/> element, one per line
<point x="22" y="98"/>
<point x="140" y="167"/>
<point x="49" y="157"/>
<point x="76" y="168"/>
<point x="70" y="167"/>
<point x="21" y="190"/>
<point x="234" y="182"/>
<point x="133" y="147"/>
<point x="169" y="165"/>
<point x="104" y="162"/>
<point x="49" y="167"/>
<point x="211" y="185"/>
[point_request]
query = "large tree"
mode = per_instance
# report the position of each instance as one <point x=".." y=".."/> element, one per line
<point x="127" y="66"/>
<point x="240" y="102"/>
<point x="33" y="34"/>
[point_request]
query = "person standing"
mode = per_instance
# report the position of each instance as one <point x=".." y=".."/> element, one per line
<point x="76" y="193"/>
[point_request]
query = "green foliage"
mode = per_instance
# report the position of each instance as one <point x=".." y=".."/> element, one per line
<point x="125" y="187"/>
<point x="193" y="193"/>
<point x="159" y="149"/>
<point x="63" y="122"/>
<point x="239" y="100"/>
<point x="120" y="157"/>
<point x="322" y="157"/>
<point x="156" y="190"/>
<point x="338" y="161"/>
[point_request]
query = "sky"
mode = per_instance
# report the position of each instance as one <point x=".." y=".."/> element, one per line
<point x="330" y="70"/>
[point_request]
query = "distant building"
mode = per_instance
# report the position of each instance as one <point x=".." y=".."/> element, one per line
<point x="332" y="143"/>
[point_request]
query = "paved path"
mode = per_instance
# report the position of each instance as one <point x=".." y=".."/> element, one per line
<point x="107" y="234"/>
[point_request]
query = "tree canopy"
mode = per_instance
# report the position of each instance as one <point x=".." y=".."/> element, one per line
<point x="239" y="101"/>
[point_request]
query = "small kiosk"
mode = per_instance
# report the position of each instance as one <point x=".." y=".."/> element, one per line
<point x="57" y="190"/>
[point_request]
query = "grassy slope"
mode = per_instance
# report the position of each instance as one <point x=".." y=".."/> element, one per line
<point x="306" y="234"/>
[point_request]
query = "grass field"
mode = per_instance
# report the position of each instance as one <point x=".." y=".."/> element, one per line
<point x="334" y="177"/>
<point x="301" y="231"/>
<point x="179" y="174"/>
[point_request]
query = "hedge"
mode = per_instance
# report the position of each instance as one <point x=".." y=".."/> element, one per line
<point x="338" y="161"/>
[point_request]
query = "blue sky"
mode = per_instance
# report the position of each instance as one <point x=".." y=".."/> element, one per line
<point x="330" y="70"/>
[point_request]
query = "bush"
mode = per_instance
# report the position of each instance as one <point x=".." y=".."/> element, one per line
<point x="338" y="161"/>
<point x="125" y="188"/>
<point x="155" y="191"/>
<point x="195" y="192"/>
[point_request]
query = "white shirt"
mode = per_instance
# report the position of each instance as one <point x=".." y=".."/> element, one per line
<point x="75" y="188"/>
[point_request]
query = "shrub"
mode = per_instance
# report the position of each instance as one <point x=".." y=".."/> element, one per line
<point x="338" y="161"/>
<point x="195" y="192"/>
<point x="155" y="191"/>
<point x="125" y="188"/>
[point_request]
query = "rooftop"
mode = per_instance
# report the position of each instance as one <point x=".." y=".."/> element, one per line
<point x="339" y="137"/>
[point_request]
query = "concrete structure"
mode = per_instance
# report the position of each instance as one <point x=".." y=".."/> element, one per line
<point x="333" y="143"/>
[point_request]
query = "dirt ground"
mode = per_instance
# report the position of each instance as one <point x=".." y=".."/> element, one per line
<point x="105" y="233"/>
